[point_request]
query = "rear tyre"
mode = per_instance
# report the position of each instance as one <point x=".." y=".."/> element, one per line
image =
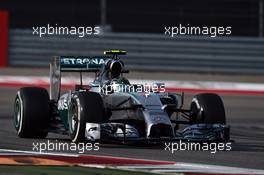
<point x="84" y="107"/>
<point x="31" y="112"/>
<point x="207" y="108"/>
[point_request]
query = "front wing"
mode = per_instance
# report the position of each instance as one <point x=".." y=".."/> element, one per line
<point x="119" y="132"/>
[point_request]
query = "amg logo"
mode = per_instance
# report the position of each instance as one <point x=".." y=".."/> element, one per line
<point x="82" y="61"/>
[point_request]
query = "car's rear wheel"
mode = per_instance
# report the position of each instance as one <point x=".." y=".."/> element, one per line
<point x="207" y="108"/>
<point x="84" y="107"/>
<point x="31" y="112"/>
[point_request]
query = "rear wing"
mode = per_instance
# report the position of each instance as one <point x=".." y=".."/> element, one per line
<point x="72" y="64"/>
<point x="83" y="63"/>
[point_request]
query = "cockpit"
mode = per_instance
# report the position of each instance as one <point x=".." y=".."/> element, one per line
<point x="111" y="74"/>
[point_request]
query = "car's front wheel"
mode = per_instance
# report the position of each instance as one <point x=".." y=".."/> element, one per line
<point x="207" y="108"/>
<point x="84" y="107"/>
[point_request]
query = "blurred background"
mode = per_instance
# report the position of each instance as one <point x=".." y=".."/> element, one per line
<point x="138" y="27"/>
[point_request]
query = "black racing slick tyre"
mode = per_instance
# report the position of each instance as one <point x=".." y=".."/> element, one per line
<point x="32" y="112"/>
<point x="84" y="107"/>
<point x="207" y="108"/>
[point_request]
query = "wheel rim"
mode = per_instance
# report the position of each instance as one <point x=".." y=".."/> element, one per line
<point x="17" y="114"/>
<point x="196" y="113"/>
<point x="73" y="118"/>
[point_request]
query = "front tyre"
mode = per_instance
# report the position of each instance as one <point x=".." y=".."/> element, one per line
<point x="31" y="112"/>
<point x="207" y="108"/>
<point x="84" y="107"/>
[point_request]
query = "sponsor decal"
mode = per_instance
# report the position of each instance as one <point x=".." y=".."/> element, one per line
<point x="82" y="61"/>
<point x="62" y="104"/>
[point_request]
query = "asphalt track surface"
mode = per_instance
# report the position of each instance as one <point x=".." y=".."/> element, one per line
<point x="244" y="113"/>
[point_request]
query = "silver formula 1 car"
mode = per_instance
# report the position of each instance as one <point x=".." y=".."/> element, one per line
<point x="112" y="109"/>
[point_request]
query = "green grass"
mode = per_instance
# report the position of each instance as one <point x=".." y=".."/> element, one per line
<point x="64" y="170"/>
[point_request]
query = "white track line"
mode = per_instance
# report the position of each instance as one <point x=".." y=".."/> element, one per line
<point x="181" y="167"/>
<point x="21" y="152"/>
